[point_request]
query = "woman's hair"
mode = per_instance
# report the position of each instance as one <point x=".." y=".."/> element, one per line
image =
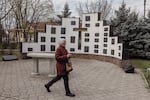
<point x="61" y="40"/>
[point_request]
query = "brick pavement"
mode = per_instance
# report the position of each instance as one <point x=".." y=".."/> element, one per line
<point x="90" y="80"/>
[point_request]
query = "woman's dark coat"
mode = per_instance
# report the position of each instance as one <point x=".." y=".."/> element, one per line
<point x="62" y="59"/>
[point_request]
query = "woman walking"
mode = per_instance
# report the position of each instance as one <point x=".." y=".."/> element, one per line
<point x="62" y="56"/>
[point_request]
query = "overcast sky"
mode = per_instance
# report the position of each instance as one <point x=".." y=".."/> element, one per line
<point x="133" y="4"/>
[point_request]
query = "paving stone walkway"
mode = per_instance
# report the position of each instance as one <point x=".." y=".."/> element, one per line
<point x="90" y="80"/>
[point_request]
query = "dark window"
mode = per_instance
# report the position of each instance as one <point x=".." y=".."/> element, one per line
<point x="96" y="46"/>
<point x="112" y="52"/>
<point x="63" y="37"/>
<point x="119" y="54"/>
<point x="97" y="24"/>
<point x="87" y="25"/>
<point x="86" y="49"/>
<point x="63" y="30"/>
<point x="42" y="47"/>
<point x="53" y="39"/>
<point x="87" y="34"/>
<point x="87" y="18"/>
<point x="105" y="34"/>
<point x="96" y="34"/>
<point x="72" y="39"/>
<point x="105" y="45"/>
<point x="30" y="49"/>
<point x="119" y="47"/>
<point x="87" y="40"/>
<point x="73" y="23"/>
<point x="42" y="39"/>
<point x="95" y="51"/>
<point x="52" y="47"/>
<point x="113" y="41"/>
<point x="96" y="40"/>
<point x="105" y="39"/>
<point x="79" y="40"/>
<point x="104" y="51"/>
<point x="72" y="49"/>
<point x="105" y="29"/>
<point x="53" y="30"/>
<point x="99" y="16"/>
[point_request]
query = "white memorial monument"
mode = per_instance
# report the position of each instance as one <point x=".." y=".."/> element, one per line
<point x="86" y="35"/>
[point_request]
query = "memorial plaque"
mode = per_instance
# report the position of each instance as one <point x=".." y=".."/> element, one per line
<point x="9" y="57"/>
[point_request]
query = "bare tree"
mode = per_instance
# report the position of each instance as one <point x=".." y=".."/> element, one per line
<point x="5" y="9"/>
<point x="102" y="6"/>
<point x="27" y="12"/>
<point x="7" y="24"/>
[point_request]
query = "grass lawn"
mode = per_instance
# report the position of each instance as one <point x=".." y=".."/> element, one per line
<point x="142" y="64"/>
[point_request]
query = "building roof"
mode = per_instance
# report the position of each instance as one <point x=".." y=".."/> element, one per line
<point x="38" y="26"/>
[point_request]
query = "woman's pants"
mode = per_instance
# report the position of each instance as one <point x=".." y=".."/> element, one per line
<point x="57" y="78"/>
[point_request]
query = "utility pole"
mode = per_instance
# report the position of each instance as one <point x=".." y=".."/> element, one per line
<point x="144" y="8"/>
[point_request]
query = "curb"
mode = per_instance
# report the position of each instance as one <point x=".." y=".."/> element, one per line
<point x="144" y="78"/>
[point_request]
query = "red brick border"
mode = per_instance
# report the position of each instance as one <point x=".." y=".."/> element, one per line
<point x="99" y="57"/>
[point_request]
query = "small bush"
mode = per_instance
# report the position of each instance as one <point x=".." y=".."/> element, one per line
<point x="13" y="45"/>
<point x="5" y="45"/>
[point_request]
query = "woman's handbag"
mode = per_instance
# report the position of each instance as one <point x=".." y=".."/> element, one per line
<point x="69" y="66"/>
